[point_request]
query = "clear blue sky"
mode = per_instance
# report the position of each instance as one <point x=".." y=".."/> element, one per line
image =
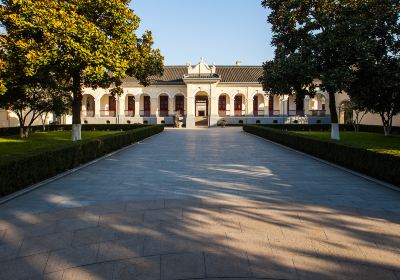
<point x="222" y="31"/>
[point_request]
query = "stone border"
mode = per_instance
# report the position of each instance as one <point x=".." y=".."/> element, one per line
<point x="363" y="176"/>
<point x="33" y="187"/>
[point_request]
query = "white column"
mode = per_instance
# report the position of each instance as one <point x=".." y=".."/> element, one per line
<point x="97" y="106"/>
<point x="266" y="105"/>
<point x="137" y="105"/>
<point x="154" y="106"/>
<point x="250" y="109"/>
<point x="232" y="105"/>
<point x="190" y="113"/>
<point x="121" y="105"/>
<point x="171" y="106"/>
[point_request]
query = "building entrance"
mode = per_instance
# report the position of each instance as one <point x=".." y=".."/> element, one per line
<point x="201" y="110"/>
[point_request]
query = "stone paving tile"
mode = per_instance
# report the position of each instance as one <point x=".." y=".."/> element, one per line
<point x="28" y="231"/>
<point x="167" y="244"/>
<point x="382" y="257"/>
<point x="339" y="251"/>
<point x="93" y="235"/>
<point x="2" y="234"/>
<point x="77" y="223"/>
<point x="272" y="266"/>
<point x="46" y="243"/>
<point x="313" y="267"/>
<point x="105" y="208"/>
<point x="121" y="249"/>
<point x="145" y="205"/>
<point x="99" y="271"/>
<point x="182" y="266"/>
<point x="9" y="251"/>
<point x="71" y="257"/>
<point x="60" y="214"/>
<point x="223" y="265"/>
<point x="139" y="268"/>
<point x="366" y="272"/>
<point x="23" y="268"/>
<point x="251" y="243"/>
<point x="183" y="203"/>
<point x="54" y="276"/>
<point x="162" y="215"/>
<point x="121" y="219"/>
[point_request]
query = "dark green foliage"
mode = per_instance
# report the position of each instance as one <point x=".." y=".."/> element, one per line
<point x="326" y="127"/>
<point x="18" y="174"/>
<point x="382" y="166"/>
<point x="8" y="131"/>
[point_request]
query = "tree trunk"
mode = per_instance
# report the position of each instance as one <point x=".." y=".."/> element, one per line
<point x="299" y="105"/>
<point x="77" y="107"/>
<point x="335" y="135"/>
<point x="21" y="125"/>
<point x="21" y="132"/>
<point x="387" y="124"/>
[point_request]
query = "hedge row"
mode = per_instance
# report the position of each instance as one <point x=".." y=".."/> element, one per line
<point x="327" y="127"/>
<point x="6" y="131"/>
<point x="20" y="173"/>
<point x="381" y="166"/>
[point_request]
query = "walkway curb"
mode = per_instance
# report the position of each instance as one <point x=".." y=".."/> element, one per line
<point x="365" y="177"/>
<point x="36" y="186"/>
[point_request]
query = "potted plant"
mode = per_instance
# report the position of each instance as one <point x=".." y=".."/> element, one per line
<point x="222" y="123"/>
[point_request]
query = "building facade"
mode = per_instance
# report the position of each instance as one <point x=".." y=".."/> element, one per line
<point x="201" y="95"/>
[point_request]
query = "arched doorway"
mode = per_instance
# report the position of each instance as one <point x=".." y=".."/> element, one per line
<point x="108" y="105"/>
<point x="239" y="106"/>
<point x="180" y="104"/>
<point x="145" y="105"/>
<point x="89" y="105"/>
<point x="130" y="106"/>
<point x="164" y="102"/>
<point x="223" y="105"/>
<point x="201" y="108"/>
<point x="201" y="105"/>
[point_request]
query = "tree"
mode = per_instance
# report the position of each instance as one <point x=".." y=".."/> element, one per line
<point x="288" y="75"/>
<point x="377" y="88"/>
<point x="329" y="33"/>
<point x="92" y="42"/>
<point x="2" y="69"/>
<point x="377" y="82"/>
<point x="31" y="97"/>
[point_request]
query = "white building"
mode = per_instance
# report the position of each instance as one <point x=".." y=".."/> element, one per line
<point x="203" y="95"/>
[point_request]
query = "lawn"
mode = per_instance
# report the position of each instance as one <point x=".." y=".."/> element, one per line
<point x="14" y="147"/>
<point x="371" y="141"/>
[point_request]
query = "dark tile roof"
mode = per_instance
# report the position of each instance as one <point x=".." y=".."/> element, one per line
<point x="239" y="74"/>
<point x="228" y="74"/>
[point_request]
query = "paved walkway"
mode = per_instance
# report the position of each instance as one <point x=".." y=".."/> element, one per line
<point x="197" y="204"/>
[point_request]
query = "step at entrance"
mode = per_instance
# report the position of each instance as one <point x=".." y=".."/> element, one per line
<point x="201" y="121"/>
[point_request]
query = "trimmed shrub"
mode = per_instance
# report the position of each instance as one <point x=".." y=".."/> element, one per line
<point x="381" y="166"/>
<point x="20" y="173"/>
<point x="327" y="127"/>
<point x="8" y="131"/>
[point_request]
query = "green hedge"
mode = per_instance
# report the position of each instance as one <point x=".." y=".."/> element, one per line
<point x="18" y="174"/>
<point x="327" y="127"/>
<point x="8" y="131"/>
<point x="382" y="166"/>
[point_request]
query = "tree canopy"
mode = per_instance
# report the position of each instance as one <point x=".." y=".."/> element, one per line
<point x="92" y="42"/>
<point x="333" y="37"/>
